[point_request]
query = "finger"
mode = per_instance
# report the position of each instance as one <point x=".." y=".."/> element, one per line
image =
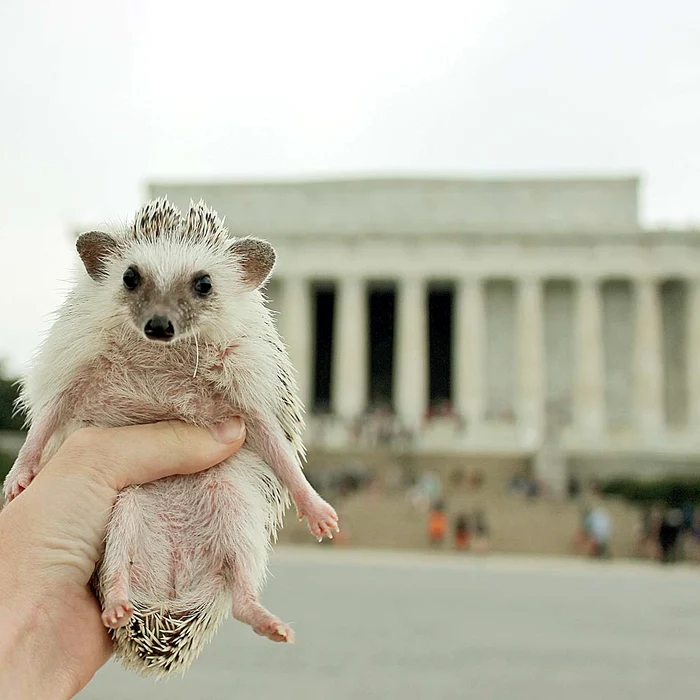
<point x="140" y="453"/>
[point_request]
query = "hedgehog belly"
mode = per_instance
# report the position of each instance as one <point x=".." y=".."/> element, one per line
<point x="186" y="530"/>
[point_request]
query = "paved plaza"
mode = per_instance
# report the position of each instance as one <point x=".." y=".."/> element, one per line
<point x="403" y="626"/>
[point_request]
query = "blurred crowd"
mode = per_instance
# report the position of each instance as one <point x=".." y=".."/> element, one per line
<point x="379" y="427"/>
<point x="456" y="512"/>
<point x="464" y="531"/>
<point x="665" y="533"/>
<point x="669" y="534"/>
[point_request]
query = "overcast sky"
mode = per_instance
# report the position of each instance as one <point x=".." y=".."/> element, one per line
<point x="98" y="98"/>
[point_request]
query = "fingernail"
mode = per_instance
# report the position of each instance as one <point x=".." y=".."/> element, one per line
<point x="230" y="431"/>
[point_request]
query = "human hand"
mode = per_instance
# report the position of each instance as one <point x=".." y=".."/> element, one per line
<point x="52" y="639"/>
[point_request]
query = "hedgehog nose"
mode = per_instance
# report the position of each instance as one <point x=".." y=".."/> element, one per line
<point x="159" y="328"/>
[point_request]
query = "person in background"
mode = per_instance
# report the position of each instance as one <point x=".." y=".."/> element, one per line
<point x="582" y="538"/>
<point x="694" y="545"/>
<point x="600" y="531"/>
<point x="647" y="533"/>
<point x="437" y="524"/>
<point x="476" y="479"/>
<point x="462" y="532"/>
<point x="573" y="487"/>
<point x="432" y="484"/>
<point x="669" y="532"/>
<point x="481" y="532"/>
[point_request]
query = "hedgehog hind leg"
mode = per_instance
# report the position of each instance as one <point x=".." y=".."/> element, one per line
<point x="125" y="528"/>
<point x="251" y="499"/>
<point x="247" y="608"/>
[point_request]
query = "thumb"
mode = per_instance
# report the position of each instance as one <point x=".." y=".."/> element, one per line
<point x="137" y="454"/>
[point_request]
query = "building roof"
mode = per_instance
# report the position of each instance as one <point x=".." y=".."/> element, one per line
<point x="415" y="206"/>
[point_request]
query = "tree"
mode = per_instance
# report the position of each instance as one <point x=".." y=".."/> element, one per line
<point x="8" y="395"/>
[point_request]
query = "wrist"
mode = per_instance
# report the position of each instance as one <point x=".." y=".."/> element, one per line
<point x="302" y="494"/>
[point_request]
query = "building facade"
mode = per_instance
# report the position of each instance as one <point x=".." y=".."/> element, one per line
<point x="480" y="315"/>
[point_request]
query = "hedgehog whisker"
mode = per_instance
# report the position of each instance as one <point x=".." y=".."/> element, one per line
<point x="196" y="364"/>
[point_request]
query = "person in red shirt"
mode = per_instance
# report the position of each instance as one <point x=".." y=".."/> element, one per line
<point x="437" y="524"/>
<point x="462" y="532"/>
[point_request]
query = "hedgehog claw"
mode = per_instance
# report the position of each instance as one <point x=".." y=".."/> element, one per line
<point x="117" y="614"/>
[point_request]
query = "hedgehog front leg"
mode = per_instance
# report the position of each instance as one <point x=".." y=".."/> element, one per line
<point x="27" y="464"/>
<point x="276" y="451"/>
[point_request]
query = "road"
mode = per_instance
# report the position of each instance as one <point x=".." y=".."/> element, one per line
<point x="391" y="625"/>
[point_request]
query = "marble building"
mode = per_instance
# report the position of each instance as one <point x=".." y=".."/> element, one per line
<point x="480" y="316"/>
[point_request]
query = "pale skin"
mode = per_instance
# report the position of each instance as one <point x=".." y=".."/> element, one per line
<point x="52" y="637"/>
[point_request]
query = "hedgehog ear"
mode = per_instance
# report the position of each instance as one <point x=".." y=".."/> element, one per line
<point x="257" y="259"/>
<point x="95" y="248"/>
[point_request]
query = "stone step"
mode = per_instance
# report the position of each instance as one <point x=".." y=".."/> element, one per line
<point x="515" y="525"/>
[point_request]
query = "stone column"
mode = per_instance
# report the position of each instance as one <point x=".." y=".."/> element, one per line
<point x="530" y="370"/>
<point x="350" y="346"/>
<point x="411" y="353"/>
<point x="692" y="350"/>
<point x="468" y="351"/>
<point x="589" y="373"/>
<point x="648" y="365"/>
<point x="296" y="330"/>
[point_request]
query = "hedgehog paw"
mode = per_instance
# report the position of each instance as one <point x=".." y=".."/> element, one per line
<point x="17" y="481"/>
<point x="14" y="487"/>
<point x="117" y="614"/>
<point x="321" y="516"/>
<point x="275" y="630"/>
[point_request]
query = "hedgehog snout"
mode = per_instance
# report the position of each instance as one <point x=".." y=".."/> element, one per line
<point x="159" y="328"/>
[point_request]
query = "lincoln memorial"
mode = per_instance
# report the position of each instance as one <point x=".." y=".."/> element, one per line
<point x="480" y="316"/>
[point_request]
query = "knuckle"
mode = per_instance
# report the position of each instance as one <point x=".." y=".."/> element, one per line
<point x="175" y="434"/>
<point x="86" y="447"/>
<point x="84" y="440"/>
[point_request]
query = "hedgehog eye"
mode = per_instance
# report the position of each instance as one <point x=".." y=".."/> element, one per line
<point x="202" y="285"/>
<point x="131" y="278"/>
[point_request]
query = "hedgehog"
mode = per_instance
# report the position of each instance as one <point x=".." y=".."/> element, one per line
<point x="167" y="319"/>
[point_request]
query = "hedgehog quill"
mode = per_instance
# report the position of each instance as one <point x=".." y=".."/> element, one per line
<point x="167" y="320"/>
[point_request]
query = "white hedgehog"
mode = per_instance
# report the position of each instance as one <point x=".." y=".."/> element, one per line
<point x="167" y="321"/>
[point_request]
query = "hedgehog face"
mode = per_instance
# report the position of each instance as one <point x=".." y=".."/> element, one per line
<point x="165" y="310"/>
<point x="172" y="281"/>
<point x="173" y="290"/>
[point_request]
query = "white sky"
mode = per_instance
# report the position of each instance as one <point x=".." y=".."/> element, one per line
<point x="98" y="98"/>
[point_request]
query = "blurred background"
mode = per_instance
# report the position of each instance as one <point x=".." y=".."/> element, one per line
<point x="488" y="233"/>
